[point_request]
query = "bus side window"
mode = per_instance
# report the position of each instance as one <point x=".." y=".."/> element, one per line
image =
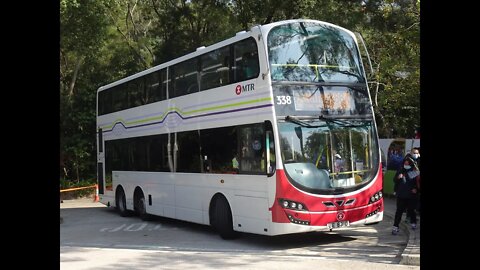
<point x="270" y="159"/>
<point x="119" y="97"/>
<point x="135" y="90"/>
<point x="224" y="71"/>
<point x="188" y="158"/>
<point x="249" y="65"/>
<point x="105" y="101"/>
<point x="246" y="63"/>
<point x="219" y="146"/>
<point x="185" y="77"/>
<point x="156" y="86"/>
<point x="251" y="148"/>
<point x="215" y="68"/>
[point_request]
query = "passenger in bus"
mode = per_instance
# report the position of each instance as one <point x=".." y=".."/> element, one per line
<point x="271" y="166"/>
<point x="406" y="189"/>
<point x="249" y="65"/>
<point x="339" y="163"/>
<point x="235" y="164"/>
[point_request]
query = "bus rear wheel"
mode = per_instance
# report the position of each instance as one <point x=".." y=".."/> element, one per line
<point x="121" y="203"/>
<point x="222" y="219"/>
<point x="141" y="208"/>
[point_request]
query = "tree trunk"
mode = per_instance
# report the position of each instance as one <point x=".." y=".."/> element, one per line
<point x="74" y="78"/>
<point x="77" y="171"/>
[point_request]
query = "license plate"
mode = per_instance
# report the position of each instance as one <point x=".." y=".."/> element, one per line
<point x="338" y="224"/>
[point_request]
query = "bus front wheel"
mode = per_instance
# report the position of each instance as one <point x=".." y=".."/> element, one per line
<point x="223" y="219"/>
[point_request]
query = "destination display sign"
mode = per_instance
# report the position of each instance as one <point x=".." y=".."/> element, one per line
<point x="319" y="100"/>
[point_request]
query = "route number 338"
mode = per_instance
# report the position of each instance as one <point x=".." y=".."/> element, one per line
<point x="282" y="100"/>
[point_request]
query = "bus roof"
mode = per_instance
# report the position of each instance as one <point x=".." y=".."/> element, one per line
<point x="201" y="50"/>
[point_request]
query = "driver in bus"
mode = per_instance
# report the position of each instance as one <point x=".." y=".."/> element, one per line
<point x="338" y="163"/>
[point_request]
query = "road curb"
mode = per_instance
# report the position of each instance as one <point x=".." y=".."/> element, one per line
<point x="411" y="253"/>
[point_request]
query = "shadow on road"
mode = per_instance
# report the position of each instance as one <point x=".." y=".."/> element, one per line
<point x="103" y="227"/>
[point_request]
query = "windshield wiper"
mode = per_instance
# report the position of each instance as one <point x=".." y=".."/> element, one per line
<point x="295" y="120"/>
<point x="341" y="120"/>
<point x="368" y="117"/>
<point x="299" y="122"/>
<point x="346" y="120"/>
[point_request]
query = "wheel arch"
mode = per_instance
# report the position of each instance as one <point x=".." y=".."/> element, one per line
<point x="117" y="189"/>
<point x="213" y="201"/>
<point x="136" y="196"/>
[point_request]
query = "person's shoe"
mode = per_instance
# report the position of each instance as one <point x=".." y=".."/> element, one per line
<point x="395" y="230"/>
<point x="414" y="226"/>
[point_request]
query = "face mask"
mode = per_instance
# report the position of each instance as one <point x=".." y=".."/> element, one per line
<point x="415" y="156"/>
<point x="407" y="167"/>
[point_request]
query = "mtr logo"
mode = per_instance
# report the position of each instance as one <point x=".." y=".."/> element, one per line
<point x="248" y="87"/>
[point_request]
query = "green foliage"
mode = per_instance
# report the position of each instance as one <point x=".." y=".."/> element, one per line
<point x="394" y="42"/>
<point x="82" y="34"/>
<point x="66" y="184"/>
<point x="105" y="40"/>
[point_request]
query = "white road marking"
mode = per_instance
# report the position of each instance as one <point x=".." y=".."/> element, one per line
<point x="129" y="228"/>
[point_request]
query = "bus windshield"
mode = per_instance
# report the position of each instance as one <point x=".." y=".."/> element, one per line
<point x="327" y="133"/>
<point x="313" y="52"/>
<point x="321" y="156"/>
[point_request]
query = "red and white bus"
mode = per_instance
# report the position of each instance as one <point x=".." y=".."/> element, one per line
<point x="268" y="132"/>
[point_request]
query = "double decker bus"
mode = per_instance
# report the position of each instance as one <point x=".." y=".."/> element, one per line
<point x="268" y="132"/>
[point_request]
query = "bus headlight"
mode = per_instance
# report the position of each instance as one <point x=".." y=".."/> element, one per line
<point x="288" y="204"/>
<point x="375" y="197"/>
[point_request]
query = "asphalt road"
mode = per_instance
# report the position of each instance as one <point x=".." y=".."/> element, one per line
<point x="93" y="236"/>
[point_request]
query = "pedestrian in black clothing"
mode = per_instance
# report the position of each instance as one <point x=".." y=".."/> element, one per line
<point x="405" y="188"/>
<point x="415" y="156"/>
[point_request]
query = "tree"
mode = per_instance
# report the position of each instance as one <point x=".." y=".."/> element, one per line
<point x="394" y="42"/>
<point x="106" y="40"/>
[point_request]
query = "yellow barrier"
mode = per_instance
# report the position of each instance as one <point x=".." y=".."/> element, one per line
<point x="79" y="188"/>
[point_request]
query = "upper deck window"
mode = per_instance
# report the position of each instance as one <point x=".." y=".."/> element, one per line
<point x="313" y="52"/>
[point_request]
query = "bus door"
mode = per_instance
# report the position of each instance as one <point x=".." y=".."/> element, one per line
<point x="100" y="162"/>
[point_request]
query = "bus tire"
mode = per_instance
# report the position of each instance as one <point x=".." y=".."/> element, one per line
<point x="141" y="208"/>
<point x="121" y="203"/>
<point x="223" y="219"/>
